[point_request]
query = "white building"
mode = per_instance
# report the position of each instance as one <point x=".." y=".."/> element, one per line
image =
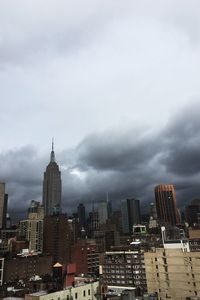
<point x="84" y="291"/>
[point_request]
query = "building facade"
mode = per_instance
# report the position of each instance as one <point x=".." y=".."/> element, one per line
<point x="85" y="255"/>
<point x="130" y="209"/>
<point x="173" y="273"/>
<point x="123" y="270"/>
<point x="57" y="238"/>
<point x="166" y="204"/>
<point x="3" y="205"/>
<point x="52" y="187"/>
<point x="87" y="291"/>
<point x="25" y="267"/>
<point x="32" y="228"/>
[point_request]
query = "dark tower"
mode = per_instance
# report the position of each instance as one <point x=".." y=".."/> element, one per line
<point x="166" y="204"/>
<point x="52" y="187"/>
<point x="81" y="214"/>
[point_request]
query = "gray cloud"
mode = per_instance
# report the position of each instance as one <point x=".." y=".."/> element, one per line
<point x="103" y="78"/>
<point x="123" y="163"/>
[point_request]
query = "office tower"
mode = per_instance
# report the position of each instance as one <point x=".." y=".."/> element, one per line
<point x="32" y="228"/>
<point x="81" y="215"/>
<point x="57" y="238"/>
<point x="103" y="212"/>
<point x="130" y="209"/>
<point x="52" y="187"/>
<point x="166" y="204"/>
<point x="3" y="205"/>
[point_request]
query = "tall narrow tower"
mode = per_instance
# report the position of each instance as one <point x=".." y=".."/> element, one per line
<point x="52" y="187"/>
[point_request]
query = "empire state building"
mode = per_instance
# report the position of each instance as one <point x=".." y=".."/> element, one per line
<point x="52" y="187"/>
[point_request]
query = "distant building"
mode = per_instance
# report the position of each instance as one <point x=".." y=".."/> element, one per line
<point x="32" y="228"/>
<point x="103" y="212"/>
<point x="93" y="222"/>
<point x="192" y="212"/>
<point x="166" y="204"/>
<point x="52" y="190"/>
<point x="130" y="209"/>
<point x="57" y="238"/>
<point x="81" y="215"/>
<point x="3" y="205"/>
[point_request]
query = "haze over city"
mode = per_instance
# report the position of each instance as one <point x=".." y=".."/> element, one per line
<point x="117" y="86"/>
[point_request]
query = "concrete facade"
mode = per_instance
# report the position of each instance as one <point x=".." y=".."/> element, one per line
<point x="172" y="273"/>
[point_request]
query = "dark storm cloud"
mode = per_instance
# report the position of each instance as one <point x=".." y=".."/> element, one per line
<point x="122" y="163"/>
<point x="117" y="150"/>
<point x="181" y="142"/>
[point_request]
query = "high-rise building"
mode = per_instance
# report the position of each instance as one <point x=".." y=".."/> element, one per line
<point x="103" y="212"/>
<point x="32" y="228"/>
<point x="81" y="214"/>
<point x="57" y="238"/>
<point x="166" y="204"/>
<point x="52" y="189"/>
<point x="3" y="205"/>
<point x="130" y="209"/>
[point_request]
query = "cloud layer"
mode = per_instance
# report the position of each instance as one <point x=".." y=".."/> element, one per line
<point x="121" y="162"/>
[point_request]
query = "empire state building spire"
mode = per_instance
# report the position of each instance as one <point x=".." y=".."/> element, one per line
<point x="52" y="186"/>
<point x="52" y="157"/>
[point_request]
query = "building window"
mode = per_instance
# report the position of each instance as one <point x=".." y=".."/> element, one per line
<point x="83" y="293"/>
<point x="76" y="296"/>
<point x="89" y="292"/>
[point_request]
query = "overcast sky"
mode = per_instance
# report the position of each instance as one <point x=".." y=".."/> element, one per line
<point x="116" y="83"/>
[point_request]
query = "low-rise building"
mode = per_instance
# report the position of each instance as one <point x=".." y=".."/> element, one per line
<point x="86" y="291"/>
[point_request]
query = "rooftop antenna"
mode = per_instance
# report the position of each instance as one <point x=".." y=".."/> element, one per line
<point x="52" y="159"/>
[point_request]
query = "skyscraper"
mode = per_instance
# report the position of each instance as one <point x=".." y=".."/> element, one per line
<point x="52" y="187"/>
<point x="166" y="204"/>
<point x="130" y="209"/>
<point x="81" y="214"/>
<point x="3" y="205"/>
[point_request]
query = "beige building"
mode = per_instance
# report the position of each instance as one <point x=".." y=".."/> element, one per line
<point x="32" y="228"/>
<point x="173" y="273"/>
<point x="84" y="291"/>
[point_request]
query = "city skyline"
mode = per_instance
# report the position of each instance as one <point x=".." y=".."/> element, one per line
<point x="116" y="85"/>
